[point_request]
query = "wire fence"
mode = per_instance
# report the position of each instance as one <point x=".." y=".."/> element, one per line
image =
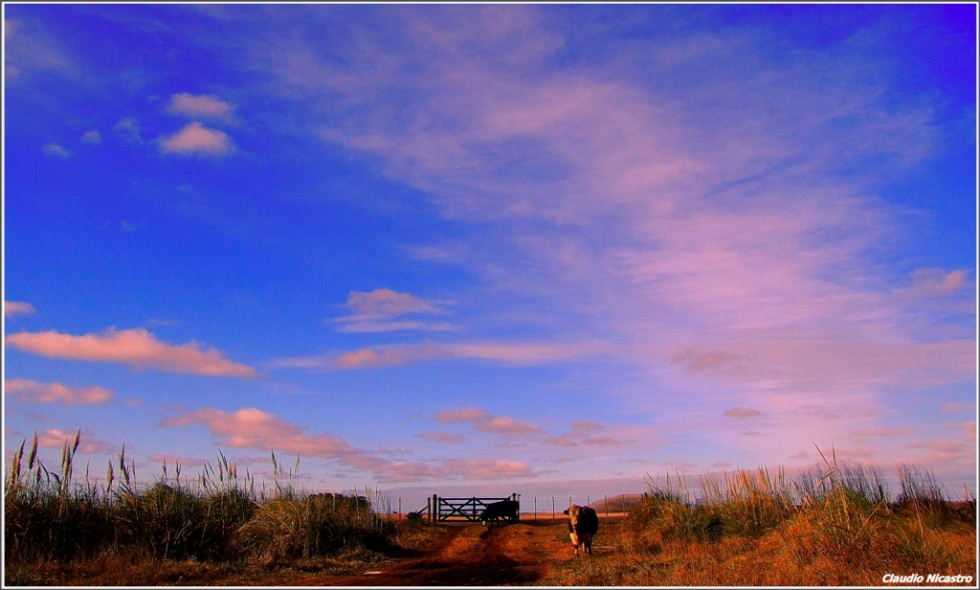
<point x="531" y="508"/>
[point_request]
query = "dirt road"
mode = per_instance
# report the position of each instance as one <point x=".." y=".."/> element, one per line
<point x="470" y="555"/>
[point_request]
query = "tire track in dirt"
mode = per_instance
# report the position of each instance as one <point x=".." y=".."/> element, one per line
<point x="470" y="555"/>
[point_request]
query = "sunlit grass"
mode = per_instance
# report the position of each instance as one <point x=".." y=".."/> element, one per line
<point x="834" y="525"/>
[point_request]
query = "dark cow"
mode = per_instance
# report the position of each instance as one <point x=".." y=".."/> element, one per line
<point x="506" y="509"/>
<point x="583" y="524"/>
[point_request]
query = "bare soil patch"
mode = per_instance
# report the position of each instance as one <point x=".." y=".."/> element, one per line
<point x="468" y="555"/>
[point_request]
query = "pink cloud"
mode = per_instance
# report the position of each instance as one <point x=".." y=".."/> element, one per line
<point x="584" y="433"/>
<point x="935" y="281"/>
<point x="461" y="469"/>
<point x="741" y="413"/>
<point x="483" y="422"/>
<point x="461" y="415"/>
<point x="191" y="105"/>
<point x="505" y="426"/>
<point x="195" y="138"/>
<point x="953" y="407"/>
<point x="384" y="356"/>
<point x="26" y="390"/>
<point x="510" y="353"/>
<point x="56" y="439"/>
<point x="524" y="353"/>
<point x="12" y="308"/>
<point x="373" y="311"/>
<point x="883" y="432"/>
<point x="135" y="347"/>
<point x="251" y="428"/>
<point x="440" y="436"/>
<point x="387" y="303"/>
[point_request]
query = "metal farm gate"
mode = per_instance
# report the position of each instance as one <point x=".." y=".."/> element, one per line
<point x="440" y="509"/>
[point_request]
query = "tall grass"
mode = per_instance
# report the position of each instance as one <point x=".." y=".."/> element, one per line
<point x="215" y="517"/>
<point x="833" y="524"/>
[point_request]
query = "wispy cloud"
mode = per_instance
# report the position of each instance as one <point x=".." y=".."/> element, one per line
<point x="461" y="415"/>
<point x="741" y="413"/>
<point x="936" y="281"/>
<point x="12" y="308"/>
<point x="137" y="348"/>
<point x="483" y="421"/>
<point x="92" y="137"/>
<point x="507" y="353"/>
<point x="196" y="139"/>
<point x="27" y="390"/>
<point x="459" y="469"/>
<point x="128" y="130"/>
<point x="28" y="49"/>
<point x="53" y="149"/>
<point x="251" y="428"/>
<point x="378" y="310"/>
<point x="440" y="436"/>
<point x="586" y="432"/>
<point x="680" y="215"/>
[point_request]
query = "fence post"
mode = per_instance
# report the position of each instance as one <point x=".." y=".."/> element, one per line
<point x="535" y="508"/>
<point x="606" y="496"/>
<point x="552" y="508"/>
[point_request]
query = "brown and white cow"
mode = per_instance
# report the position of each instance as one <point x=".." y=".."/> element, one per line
<point x="583" y="524"/>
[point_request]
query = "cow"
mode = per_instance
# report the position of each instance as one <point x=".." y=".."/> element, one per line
<point x="583" y="524"/>
<point x="504" y="509"/>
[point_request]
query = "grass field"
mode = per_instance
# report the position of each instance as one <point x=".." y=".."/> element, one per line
<point x="834" y="525"/>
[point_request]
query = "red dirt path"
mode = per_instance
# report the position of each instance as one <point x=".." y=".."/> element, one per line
<point x="469" y="555"/>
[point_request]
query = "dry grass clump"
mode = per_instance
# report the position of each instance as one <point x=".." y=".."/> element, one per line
<point x="285" y="529"/>
<point x="835" y="525"/>
<point x="49" y="518"/>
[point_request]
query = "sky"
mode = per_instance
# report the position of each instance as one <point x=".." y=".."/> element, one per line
<point x="483" y="249"/>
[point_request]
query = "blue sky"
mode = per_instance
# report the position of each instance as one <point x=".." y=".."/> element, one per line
<point x="496" y="248"/>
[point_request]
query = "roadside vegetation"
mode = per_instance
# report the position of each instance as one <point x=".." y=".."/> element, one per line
<point x="55" y="524"/>
<point x="836" y="524"/>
